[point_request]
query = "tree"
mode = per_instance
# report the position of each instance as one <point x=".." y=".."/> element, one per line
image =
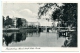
<point x="56" y="14"/>
<point x="70" y="13"/>
<point x="44" y="9"/>
<point x="67" y="12"/>
<point x="8" y="21"/>
<point x="19" y="22"/>
<point x="3" y="21"/>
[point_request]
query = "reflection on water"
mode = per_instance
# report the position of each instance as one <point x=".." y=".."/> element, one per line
<point x="9" y="37"/>
<point x="32" y="39"/>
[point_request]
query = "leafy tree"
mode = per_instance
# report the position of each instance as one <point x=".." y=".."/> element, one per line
<point x="19" y="22"/>
<point x="70" y="13"/>
<point x="67" y="12"/>
<point x="44" y="9"/>
<point x="56" y="14"/>
<point x="8" y="21"/>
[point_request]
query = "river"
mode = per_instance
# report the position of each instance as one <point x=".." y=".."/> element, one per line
<point x="32" y="39"/>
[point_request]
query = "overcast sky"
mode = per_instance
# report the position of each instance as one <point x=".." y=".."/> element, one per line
<point x="24" y="10"/>
<point x="29" y="11"/>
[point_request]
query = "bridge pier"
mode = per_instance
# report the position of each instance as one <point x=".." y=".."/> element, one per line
<point x="47" y="29"/>
<point x="42" y="28"/>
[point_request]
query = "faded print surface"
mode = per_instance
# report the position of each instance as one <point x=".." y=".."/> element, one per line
<point x="39" y="25"/>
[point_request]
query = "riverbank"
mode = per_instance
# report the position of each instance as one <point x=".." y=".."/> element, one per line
<point x="71" y="41"/>
<point x="10" y="29"/>
<point x="19" y="29"/>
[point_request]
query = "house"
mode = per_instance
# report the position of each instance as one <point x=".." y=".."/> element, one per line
<point x="24" y="22"/>
<point x="33" y="24"/>
<point x="19" y="22"/>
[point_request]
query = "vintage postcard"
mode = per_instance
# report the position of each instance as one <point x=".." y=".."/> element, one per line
<point x="39" y="26"/>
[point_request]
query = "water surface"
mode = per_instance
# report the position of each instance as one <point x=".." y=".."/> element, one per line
<point x="32" y="39"/>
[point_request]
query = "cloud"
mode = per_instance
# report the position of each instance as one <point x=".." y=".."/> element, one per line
<point x="27" y="10"/>
<point x="24" y="13"/>
<point x="27" y="13"/>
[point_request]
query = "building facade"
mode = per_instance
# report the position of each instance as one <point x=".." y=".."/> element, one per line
<point x="19" y="22"/>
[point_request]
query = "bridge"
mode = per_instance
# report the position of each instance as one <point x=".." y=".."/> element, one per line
<point x="65" y="30"/>
<point x="46" y="28"/>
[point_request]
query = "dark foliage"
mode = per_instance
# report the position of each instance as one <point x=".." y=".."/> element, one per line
<point x="66" y="13"/>
<point x="19" y="22"/>
<point x="8" y="21"/>
<point x="3" y="20"/>
<point x="45" y="8"/>
<point x="8" y="39"/>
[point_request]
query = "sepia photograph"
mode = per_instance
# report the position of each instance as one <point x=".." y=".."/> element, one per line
<point x="39" y="25"/>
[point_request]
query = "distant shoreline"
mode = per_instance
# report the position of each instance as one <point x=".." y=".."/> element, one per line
<point x="18" y="29"/>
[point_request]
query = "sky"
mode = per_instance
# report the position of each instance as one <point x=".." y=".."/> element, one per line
<point x="23" y="10"/>
<point x="29" y="11"/>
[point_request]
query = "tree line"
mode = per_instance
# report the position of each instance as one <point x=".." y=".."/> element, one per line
<point x="9" y="22"/>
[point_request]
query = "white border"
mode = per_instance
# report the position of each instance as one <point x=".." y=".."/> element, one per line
<point x="45" y="48"/>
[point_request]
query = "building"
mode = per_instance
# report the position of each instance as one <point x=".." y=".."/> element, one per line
<point x="24" y="22"/>
<point x="33" y="24"/>
<point x="14" y="21"/>
<point x="19" y="22"/>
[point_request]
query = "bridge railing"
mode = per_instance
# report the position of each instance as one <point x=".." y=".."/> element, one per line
<point x="64" y="30"/>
